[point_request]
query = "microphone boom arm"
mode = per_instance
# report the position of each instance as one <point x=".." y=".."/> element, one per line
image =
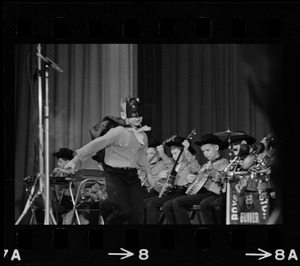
<point x="48" y="61"/>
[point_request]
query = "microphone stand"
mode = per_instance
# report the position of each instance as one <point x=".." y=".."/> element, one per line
<point x="43" y="153"/>
<point x="228" y="188"/>
<point x="40" y="99"/>
<point x="46" y="123"/>
<point x="46" y="184"/>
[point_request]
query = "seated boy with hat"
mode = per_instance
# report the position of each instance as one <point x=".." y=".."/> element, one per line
<point x="61" y="200"/>
<point x="64" y="202"/>
<point x="238" y="140"/>
<point x="159" y="162"/>
<point x="176" y="211"/>
<point x="186" y="164"/>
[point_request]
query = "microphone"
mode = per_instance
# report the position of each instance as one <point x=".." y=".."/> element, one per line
<point x="244" y="150"/>
<point x="50" y="63"/>
<point x="258" y="148"/>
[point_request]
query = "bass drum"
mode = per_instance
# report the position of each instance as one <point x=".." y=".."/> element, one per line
<point x="248" y="161"/>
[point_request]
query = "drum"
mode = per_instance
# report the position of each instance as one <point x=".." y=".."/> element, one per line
<point x="248" y="161"/>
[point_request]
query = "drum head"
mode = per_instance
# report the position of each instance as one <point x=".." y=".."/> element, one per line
<point x="248" y="161"/>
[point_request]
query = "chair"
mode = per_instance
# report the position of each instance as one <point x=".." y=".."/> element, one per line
<point x="199" y="219"/>
<point x="192" y="215"/>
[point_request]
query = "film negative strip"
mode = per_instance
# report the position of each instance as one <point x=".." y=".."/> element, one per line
<point x="170" y="45"/>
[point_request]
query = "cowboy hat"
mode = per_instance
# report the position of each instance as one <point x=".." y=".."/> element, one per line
<point x="177" y="141"/>
<point x="64" y="153"/>
<point x="153" y="143"/>
<point x="249" y="139"/>
<point x="211" y="139"/>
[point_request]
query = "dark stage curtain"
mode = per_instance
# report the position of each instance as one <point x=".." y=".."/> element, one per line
<point x="210" y="87"/>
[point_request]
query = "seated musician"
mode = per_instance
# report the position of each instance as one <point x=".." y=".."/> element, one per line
<point x="186" y="164"/>
<point x="238" y="140"/>
<point x="91" y="200"/>
<point x="159" y="162"/>
<point x="214" y="211"/>
<point x="60" y="198"/>
<point x="176" y="210"/>
<point x="62" y="202"/>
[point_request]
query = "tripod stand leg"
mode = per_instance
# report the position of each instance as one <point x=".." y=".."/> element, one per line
<point x="27" y="206"/>
<point x="52" y="219"/>
<point x="33" y="220"/>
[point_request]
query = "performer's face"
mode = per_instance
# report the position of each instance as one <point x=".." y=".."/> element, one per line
<point x="236" y="149"/>
<point x="175" y="151"/>
<point x="150" y="153"/>
<point x="134" y="121"/>
<point x="210" y="151"/>
<point x="61" y="162"/>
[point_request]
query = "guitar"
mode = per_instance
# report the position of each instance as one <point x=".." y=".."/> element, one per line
<point x="202" y="178"/>
<point x="198" y="183"/>
<point x="170" y="180"/>
<point x="142" y="174"/>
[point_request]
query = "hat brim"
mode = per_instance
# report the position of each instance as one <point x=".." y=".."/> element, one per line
<point x="222" y="145"/>
<point x="177" y="144"/>
<point x="60" y="155"/>
<point x="249" y="139"/>
<point x="153" y="143"/>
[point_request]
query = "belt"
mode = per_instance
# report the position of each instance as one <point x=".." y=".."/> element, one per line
<point x="129" y="169"/>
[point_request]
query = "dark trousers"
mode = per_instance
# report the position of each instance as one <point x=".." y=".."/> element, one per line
<point x="213" y="209"/>
<point x="106" y="209"/>
<point x="150" y="194"/>
<point x="126" y="196"/>
<point x="58" y="208"/>
<point x="153" y="205"/>
<point x="176" y="210"/>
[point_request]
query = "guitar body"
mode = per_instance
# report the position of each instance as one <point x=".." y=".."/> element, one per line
<point x="167" y="187"/>
<point x="198" y="183"/>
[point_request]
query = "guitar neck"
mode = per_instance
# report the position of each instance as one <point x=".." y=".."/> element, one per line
<point x="173" y="171"/>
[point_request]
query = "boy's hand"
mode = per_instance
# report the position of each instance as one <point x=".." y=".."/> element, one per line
<point x="151" y="181"/>
<point x="163" y="174"/>
<point x="186" y="144"/>
<point x="190" y="178"/>
<point x="71" y="164"/>
<point x="160" y="150"/>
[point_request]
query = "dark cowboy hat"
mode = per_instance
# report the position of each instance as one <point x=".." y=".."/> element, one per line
<point x="211" y="139"/>
<point x="249" y="139"/>
<point x="153" y="143"/>
<point x="177" y="141"/>
<point x="64" y="153"/>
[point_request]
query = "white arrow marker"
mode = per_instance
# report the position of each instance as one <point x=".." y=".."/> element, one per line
<point x="126" y="254"/>
<point x="264" y="254"/>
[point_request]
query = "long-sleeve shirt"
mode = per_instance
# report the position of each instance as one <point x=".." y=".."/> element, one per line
<point x="216" y="180"/>
<point x="189" y="165"/>
<point x="122" y="149"/>
<point x="166" y="163"/>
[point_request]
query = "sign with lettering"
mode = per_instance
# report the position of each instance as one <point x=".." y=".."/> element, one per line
<point x="249" y="200"/>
